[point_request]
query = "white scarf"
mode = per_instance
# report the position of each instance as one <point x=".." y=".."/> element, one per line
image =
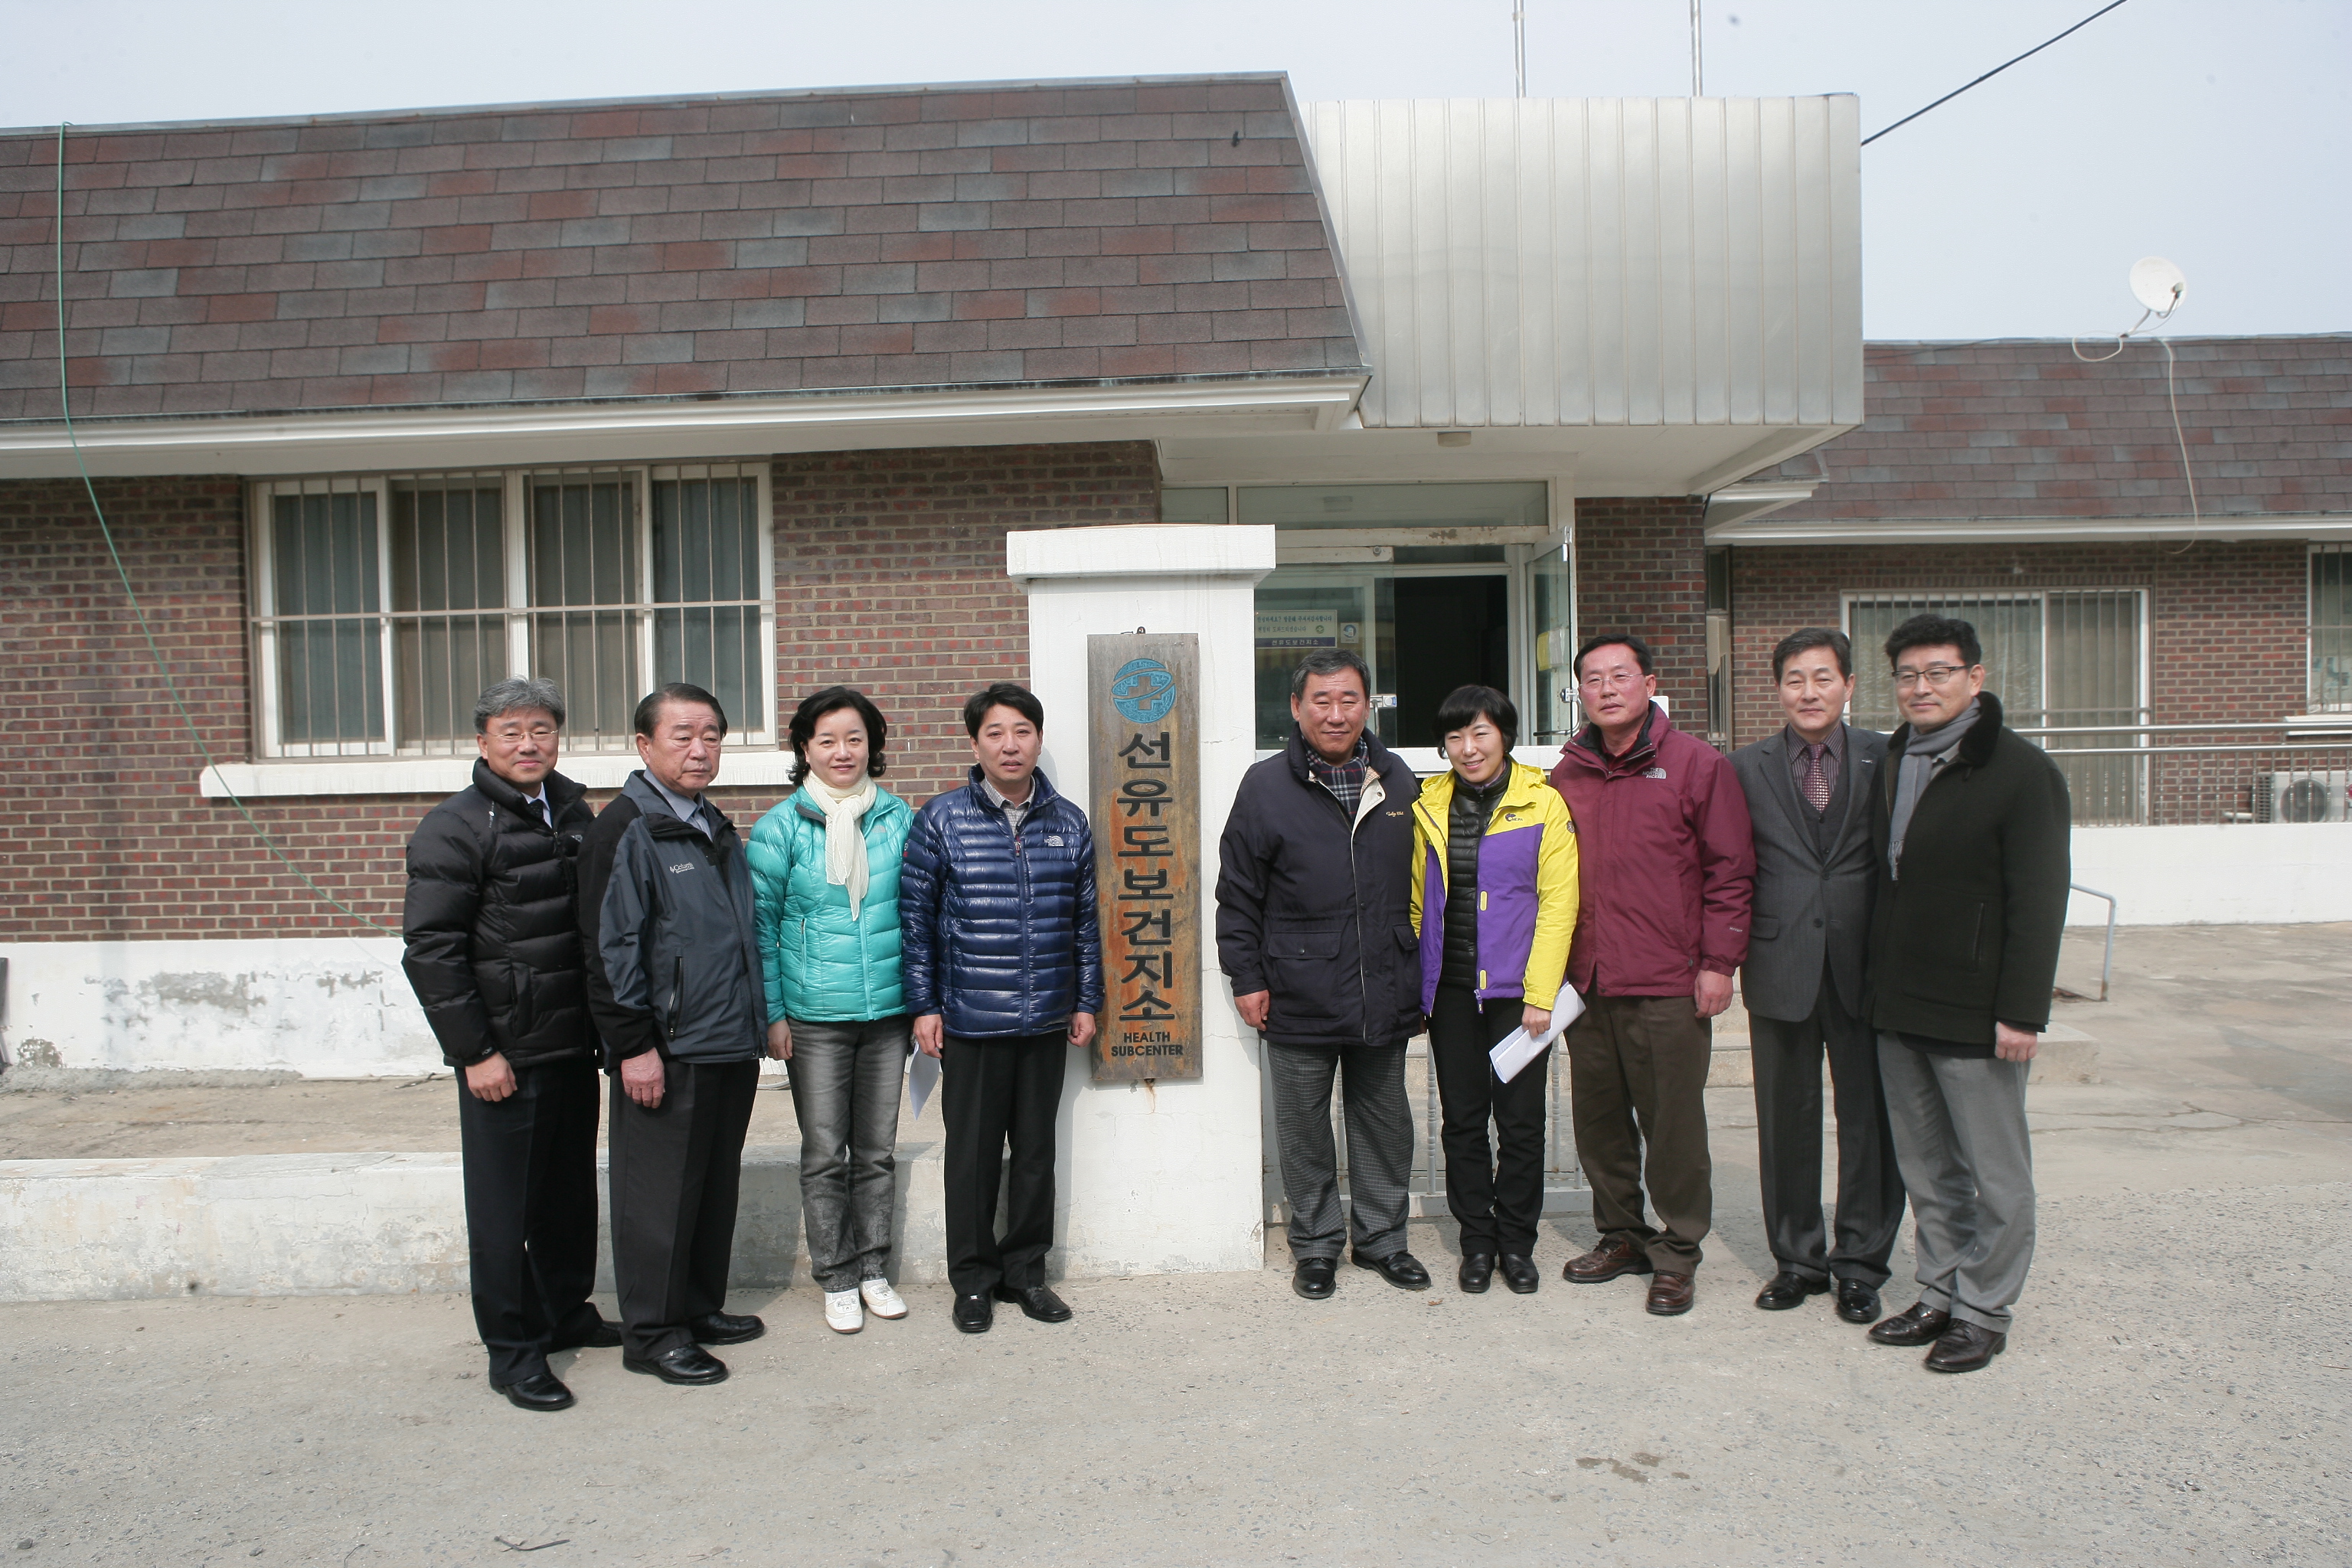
<point x="844" y="841"/>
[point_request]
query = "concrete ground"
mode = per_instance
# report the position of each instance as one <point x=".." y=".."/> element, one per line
<point x="2177" y="1390"/>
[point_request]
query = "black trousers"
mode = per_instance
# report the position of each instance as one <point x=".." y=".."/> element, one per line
<point x="1496" y="1197"/>
<point x="999" y="1094"/>
<point x="530" y="1211"/>
<point x="676" y="1171"/>
<point x="1788" y="1058"/>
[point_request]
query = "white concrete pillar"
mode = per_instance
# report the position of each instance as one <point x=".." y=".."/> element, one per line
<point x="1163" y="1178"/>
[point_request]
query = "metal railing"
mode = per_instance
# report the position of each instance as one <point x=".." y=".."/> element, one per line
<point x="2176" y="775"/>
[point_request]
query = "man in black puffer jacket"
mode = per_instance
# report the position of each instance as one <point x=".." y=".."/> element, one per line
<point x="494" y="956"/>
<point x="1003" y="975"/>
<point x="1315" y="934"/>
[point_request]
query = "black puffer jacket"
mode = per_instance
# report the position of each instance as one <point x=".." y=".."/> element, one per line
<point x="1465" y="829"/>
<point x="493" y="944"/>
<point x="1318" y="910"/>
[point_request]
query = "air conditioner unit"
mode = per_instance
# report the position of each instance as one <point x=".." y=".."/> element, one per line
<point x="2303" y="797"/>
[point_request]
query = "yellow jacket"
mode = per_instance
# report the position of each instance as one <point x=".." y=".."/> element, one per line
<point x="1526" y="887"/>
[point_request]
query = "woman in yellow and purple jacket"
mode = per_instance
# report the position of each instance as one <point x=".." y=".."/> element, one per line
<point x="1494" y="904"/>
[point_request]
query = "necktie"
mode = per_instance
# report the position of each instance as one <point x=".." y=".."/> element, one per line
<point x="1817" y="781"/>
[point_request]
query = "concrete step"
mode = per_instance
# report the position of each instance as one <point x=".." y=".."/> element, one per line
<point x="360" y="1225"/>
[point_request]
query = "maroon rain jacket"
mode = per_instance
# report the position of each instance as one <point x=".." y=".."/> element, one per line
<point x="1665" y="859"/>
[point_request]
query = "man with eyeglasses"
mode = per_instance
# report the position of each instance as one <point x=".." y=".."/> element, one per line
<point x="493" y="956"/>
<point x="1808" y="786"/>
<point x="1971" y="824"/>
<point x="1665" y="863"/>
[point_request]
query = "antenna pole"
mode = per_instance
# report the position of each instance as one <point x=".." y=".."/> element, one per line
<point x="1699" y="62"/>
<point x="1519" y="46"/>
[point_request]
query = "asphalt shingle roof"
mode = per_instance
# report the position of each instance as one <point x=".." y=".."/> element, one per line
<point x="888" y="238"/>
<point x="2026" y="429"/>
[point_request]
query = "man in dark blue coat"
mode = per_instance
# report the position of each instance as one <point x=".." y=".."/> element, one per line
<point x="1315" y="934"/>
<point x="1004" y="971"/>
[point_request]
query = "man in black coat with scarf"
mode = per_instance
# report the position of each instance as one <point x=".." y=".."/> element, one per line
<point x="494" y="956"/>
<point x="1971" y="821"/>
<point x="1315" y="934"/>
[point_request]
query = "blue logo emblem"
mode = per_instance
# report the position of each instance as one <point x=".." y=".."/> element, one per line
<point x="1143" y="691"/>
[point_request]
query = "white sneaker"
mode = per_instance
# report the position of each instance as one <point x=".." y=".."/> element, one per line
<point x="843" y="1314"/>
<point x="881" y="1300"/>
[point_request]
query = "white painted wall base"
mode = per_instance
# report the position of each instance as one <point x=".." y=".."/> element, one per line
<point x="349" y="1224"/>
<point x="2271" y="873"/>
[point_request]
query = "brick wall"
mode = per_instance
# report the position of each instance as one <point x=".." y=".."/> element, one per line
<point x="890" y="575"/>
<point x="2226" y="631"/>
<point x="1640" y="566"/>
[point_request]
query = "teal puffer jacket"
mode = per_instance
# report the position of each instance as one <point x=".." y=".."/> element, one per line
<point x="821" y="964"/>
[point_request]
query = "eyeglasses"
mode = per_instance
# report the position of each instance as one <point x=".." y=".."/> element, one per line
<point x="543" y="733"/>
<point x="1936" y="674"/>
<point x="1611" y="681"/>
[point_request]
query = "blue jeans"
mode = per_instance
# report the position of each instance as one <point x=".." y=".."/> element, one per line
<point x="847" y="1081"/>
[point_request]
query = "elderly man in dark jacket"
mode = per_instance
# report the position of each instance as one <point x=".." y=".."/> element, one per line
<point x="1972" y="825"/>
<point x="1002" y="963"/>
<point x="494" y="956"/>
<point x="678" y="990"/>
<point x="1315" y="934"/>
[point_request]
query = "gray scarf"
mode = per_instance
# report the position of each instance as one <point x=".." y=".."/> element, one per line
<point x="1926" y="751"/>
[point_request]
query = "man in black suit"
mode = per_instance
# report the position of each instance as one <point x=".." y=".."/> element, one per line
<point x="1808" y="793"/>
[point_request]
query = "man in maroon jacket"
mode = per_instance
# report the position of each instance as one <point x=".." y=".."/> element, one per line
<point x="1667" y="866"/>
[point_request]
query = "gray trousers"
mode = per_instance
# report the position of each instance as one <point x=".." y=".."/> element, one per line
<point x="1961" y="1139"/>
<point x="846" y="1079"/>
<point x="1380" y="1145"/>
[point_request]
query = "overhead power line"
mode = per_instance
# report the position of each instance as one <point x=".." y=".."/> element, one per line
<point x="1992" y="73"/>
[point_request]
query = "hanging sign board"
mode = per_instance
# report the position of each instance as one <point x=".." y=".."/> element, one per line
<point x="1143" y="701"/>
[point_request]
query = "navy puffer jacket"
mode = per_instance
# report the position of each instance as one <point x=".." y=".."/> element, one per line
<point x="1000" y="937"/>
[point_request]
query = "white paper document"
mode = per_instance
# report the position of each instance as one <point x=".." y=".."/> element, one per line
<point x="922" y="1077"/>
<point x="1518" y="1047"/>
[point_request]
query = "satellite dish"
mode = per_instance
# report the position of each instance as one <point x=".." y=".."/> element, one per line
<point x="2157" y="284"/>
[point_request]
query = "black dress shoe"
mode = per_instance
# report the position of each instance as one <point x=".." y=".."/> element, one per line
<point x="1399" y="1268"/>
<point x="687" y="1363"/>
<point x="974" y="1315"/>
<point x="1520" y="1273"/>
<point x="539" y="1391"/>
<point x="1316" y="1278"/>
<point x="602" y="1337"/>
<point x="1477" y="1272"/>
<point x="1966" y="1347"/>
<point x="1857" y="1302"/>
<point x="1036" y="1303"/>
<point x="1789" y="1290"/>
<point x="724" y="1328"/>
<point x="1919" y="1324"/>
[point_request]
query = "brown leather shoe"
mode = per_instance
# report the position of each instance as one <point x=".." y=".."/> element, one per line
<point x="1920" y="1324"/>
<point x="1966" y="1347"/>
<point x="1671" y="1295"/>
<point x="1616" y="1255"/>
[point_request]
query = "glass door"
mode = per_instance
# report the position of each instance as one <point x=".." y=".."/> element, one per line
<point x="1549" y="715"/>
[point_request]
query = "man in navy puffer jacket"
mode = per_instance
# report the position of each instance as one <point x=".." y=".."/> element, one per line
<point x="1003" y="964"/>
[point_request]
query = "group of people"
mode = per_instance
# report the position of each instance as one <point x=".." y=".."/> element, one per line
<point x="1895" y="903"/>
<point x="651" y="940"/>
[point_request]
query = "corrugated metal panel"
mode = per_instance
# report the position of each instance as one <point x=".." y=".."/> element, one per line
<point x="1602" y="261"/>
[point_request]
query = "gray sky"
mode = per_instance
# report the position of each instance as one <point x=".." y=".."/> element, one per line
<point x="2209" y="132"/>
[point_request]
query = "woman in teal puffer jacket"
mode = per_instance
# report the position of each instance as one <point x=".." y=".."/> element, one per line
<point x="824" y="875"/>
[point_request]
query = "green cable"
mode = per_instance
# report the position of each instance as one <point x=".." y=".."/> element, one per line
<point x="169" y="683"/>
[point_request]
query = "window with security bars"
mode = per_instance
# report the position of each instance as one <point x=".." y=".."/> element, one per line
<point x="386" y="604"/>
<point x="2331" y="628"/>
<point x="2064" y="664"/>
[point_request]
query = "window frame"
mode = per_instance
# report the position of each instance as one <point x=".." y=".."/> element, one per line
<point x="2313" y="699"/>
<point x="514" y="484"/>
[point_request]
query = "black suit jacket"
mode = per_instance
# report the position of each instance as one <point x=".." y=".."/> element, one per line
<point x="1810" y="908"/>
